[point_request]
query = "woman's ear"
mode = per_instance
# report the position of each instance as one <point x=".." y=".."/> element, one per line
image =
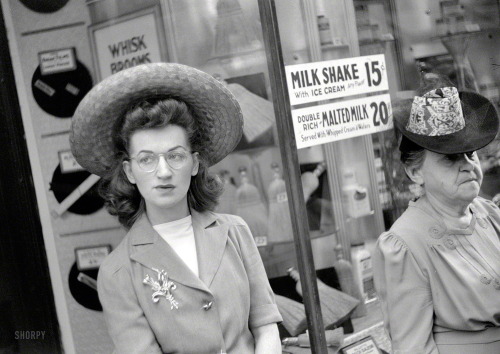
<point x="128" y="171"/>
<point x="415" y="174"/>
<point x="196" y="164"/>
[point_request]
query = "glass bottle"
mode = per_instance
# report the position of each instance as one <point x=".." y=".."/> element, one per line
<point x="363" y="271"/>
<point x="344" y="271"/>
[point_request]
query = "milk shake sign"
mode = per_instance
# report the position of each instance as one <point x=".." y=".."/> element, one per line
<point x="343" y="119"/>
<point x="327" y="80"/>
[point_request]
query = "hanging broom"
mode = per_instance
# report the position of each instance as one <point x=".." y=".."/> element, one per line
<point x="336" y="306"/>
<point x="227" y="201"/>
<point x="258" y="113"/>
<point x="279" y="223"/>
<point x="234" y="31"/>
<point x="250" y="207"/>
<point x="293" y="313"/>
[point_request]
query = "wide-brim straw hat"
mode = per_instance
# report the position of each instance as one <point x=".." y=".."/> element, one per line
<point x="99" y="115"/>
<point x="480" y="119"/>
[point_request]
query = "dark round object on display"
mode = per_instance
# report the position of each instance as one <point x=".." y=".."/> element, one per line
<point x="60" y="93"/>
<point x="63" y="184"/>
<point x="44" y="6"/>
<point x="81" y="292"/>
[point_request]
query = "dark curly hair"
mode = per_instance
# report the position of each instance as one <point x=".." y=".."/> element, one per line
<point x="122" y="198"/>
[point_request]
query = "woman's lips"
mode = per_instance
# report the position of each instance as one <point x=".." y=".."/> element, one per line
<point x="165" y="187"/>
<point x="469" y="180"/>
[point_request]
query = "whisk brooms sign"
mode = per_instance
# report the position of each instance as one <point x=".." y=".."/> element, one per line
<point x="348" y="119"/>
<point x="126" y="42"/>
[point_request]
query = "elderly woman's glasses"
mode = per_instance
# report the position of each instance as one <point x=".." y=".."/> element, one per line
<point x="148" y="161"/>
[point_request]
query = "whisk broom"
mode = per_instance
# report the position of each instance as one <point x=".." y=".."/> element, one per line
<point x="250" y="207"/>
<point x="227" y="201"/>
<point x="279" y="223"/>
<point x="336" y="306"/>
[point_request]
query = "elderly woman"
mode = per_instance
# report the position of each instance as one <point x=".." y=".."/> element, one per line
<point x="437" y="270"/>
<point x="184" y="279"/>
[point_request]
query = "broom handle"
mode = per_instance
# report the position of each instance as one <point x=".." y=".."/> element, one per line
<point x="334" y="338"/>
<point x="320" y="168"/>
<point x="89" y="281"/>
<point x="75" y="195"/>
<point x="310" y="180"/>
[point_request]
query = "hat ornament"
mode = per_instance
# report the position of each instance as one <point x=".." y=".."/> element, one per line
<point x="436" y="113"/>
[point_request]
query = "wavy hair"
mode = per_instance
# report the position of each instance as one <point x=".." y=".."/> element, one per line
<point x="122" y="198"/>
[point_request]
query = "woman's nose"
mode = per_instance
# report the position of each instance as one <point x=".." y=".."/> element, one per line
<point x="163" y="169"/>
<point x="467" y="162"/>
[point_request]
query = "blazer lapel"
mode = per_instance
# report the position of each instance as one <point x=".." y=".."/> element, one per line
<point x="149" y="249"/>
<point x="211" y="239"/>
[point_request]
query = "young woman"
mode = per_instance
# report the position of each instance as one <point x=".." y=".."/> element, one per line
<point x="437" y="270"/>
<point x="184" y="279"/>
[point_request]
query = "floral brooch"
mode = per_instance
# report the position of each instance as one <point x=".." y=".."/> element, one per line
<point x="162" y="287"/>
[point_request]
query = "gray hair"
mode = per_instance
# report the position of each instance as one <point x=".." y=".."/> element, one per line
<point x="413" y="159"/>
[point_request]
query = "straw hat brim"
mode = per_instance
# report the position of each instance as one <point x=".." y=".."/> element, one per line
<point x="481" y="126"/>
<point x="217" y="113"/>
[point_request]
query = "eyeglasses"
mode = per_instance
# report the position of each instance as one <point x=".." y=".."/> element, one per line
<point x="148" y="161"/>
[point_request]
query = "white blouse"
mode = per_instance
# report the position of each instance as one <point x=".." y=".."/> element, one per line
<point x="179" y="235"/>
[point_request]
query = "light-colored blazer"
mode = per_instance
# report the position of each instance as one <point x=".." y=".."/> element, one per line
<point x="440" y="287"/>
<point x="216" y="311"/>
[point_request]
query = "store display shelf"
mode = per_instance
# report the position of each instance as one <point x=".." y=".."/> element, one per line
<point x="350" y="219"/>
<point x="376" y="41"/>
<point x="253" y="150"/>
<point x="91" y="230"/>
<point x="334" y="46"/>
<point x="461" y="35"/>
<point x="313" y="235"/>
<point x="237" y="53"/>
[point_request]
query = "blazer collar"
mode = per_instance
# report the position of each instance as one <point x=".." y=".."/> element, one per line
<point x="149" y="249"/>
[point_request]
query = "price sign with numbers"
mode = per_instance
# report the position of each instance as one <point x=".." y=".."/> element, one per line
<point x="364" y="346"/>
<point x="260" y="241"/>
<point x="68" y="163"/>
<point x="341" y="120"/>
<point x="56" y="61"/>
<point x="91" y="257"/>
<point x="326" y="80"/>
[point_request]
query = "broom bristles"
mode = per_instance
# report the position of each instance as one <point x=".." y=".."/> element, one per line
<point x="293" y="313"/>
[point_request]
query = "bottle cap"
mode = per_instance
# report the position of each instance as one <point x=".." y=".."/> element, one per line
<point x="338" y="251"/>
<point x="349" y="176"/>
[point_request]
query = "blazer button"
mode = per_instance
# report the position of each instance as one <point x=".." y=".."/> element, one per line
<point x="436" y="231"/>
<point x="485" y="279"/>
<point x="482" y="223"/>
<point x="208" y="305"/>
<point x="450" y="243"/>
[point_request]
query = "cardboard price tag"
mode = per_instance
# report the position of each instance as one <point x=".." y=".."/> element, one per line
<point x="363" y="346"/>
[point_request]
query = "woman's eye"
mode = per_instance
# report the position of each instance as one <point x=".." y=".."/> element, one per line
<point x="177" y="157"/>
<point x="452" y="157"/>
<point x="457" y="157"/>
<point x="146" y="159"/>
